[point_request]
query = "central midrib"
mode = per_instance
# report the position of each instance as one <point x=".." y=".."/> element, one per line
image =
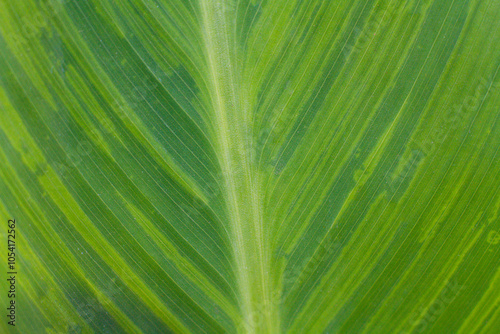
<point x="242" y="186"/>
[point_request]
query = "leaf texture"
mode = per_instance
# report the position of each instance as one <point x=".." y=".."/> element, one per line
<point x="246" y="166"/>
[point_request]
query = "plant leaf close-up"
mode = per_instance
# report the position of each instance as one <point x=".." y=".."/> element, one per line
<point x="250" y="166"/>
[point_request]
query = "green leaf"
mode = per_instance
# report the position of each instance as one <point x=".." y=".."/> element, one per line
<point x="223" y="166"/>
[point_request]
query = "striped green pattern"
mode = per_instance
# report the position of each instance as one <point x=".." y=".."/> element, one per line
<point x="251" y="166"/>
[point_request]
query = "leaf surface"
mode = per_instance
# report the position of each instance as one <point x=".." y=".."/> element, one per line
<point x="244" y="166"/>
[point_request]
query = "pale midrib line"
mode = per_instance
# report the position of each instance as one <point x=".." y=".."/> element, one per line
<point x="223" y="127"/>
<point x="243" y="197"/>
